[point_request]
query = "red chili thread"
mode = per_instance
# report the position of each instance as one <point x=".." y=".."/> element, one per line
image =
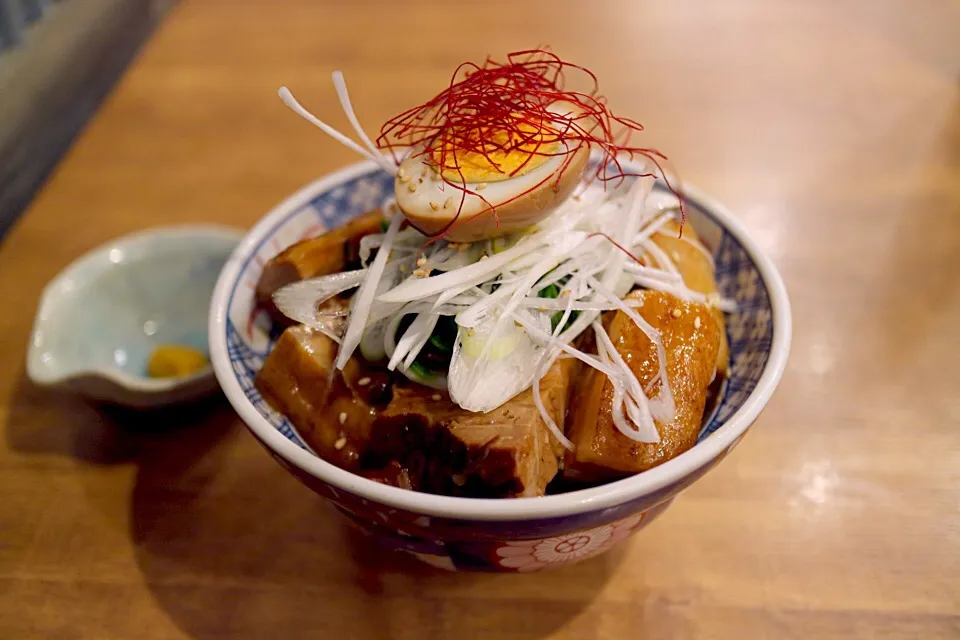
<point x="512" y="106"/>
<point x="617" y="245"/>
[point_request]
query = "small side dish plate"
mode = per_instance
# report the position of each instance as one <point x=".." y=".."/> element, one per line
<point x="100" y="319"/>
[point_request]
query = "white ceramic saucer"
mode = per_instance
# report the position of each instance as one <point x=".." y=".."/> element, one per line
<point x="101" y="317"/>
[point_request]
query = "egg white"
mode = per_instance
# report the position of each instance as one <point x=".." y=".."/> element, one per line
<point x="430" y="203"/>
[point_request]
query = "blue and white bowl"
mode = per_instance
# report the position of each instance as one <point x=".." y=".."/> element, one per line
<point x="102" y="316"/>
<point x="521" y="534"/>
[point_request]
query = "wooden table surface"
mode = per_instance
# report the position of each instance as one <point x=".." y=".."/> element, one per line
<point x="832" y="128"/>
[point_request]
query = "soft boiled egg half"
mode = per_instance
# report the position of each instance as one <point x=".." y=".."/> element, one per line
<point x="472" y="196"/>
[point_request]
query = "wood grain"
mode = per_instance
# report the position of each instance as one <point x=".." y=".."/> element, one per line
<point x="831" y="128"/>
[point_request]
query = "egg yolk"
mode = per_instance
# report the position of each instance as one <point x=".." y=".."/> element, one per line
<point x="175" y="361"/>
<point x="506" y="152"/>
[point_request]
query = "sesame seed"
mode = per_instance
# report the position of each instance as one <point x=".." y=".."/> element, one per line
<point x="364" y="381"/>
<point x="342" y="417"/>
<point x="412" y="187"/>
<point x="675" y="256"/>
<point x="404" y="179"/>
<point x="434" y="205"/>
<point x="481" y="186"/>
<point x="340" y="443"/>
<point x="676" y="313"/>
<point x="696" y="322"/>
<point x="421" y="261"/>
<point x="459" y="479"/>
<point x="436" y="396"/>
<point x="448" y="202"/>
<point x="401" y="172"/>
<point x="484" y="257"/>
<point x="421" y="273"/>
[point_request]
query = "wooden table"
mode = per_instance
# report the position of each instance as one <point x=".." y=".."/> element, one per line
<point x="832" y="128"/>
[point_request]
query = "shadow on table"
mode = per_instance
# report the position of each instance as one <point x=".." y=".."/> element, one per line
<point x="232" y="546"/>
<point x="45" y="421"/>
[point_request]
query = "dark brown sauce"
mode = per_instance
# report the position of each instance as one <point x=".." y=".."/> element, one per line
<point x="378" y="390"/>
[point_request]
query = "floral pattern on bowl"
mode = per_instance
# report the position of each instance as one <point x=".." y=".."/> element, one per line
<point x="534" y="555"/>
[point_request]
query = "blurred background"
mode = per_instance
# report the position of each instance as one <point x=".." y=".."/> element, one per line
<point x="58" y="58"/>
<point x="743" y="88"/>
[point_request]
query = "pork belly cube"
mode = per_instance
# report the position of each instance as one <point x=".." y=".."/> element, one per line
<point x="330" y="253"/>
<point x="691" y="338"/>
<point x="299" y="380"/>
<point x="697" y="272"/>
<point x="506" y="452"/>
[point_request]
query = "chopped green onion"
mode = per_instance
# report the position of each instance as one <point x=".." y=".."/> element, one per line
<point x="555" y="319"/>
<point x="437" y="341"/>
<point x="420" y="371"/>
<point x="553" y="291"/>
<point x="549" y="291"/>
<point x="435" y="356"/>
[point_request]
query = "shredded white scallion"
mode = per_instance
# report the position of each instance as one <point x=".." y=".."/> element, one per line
<point x="360" y="311"/>
<point x="341" y="86"/>
<point x="582" y="260"/>
<point x="291" y="102"/>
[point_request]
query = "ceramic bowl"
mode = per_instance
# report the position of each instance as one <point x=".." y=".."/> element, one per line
<point x="101" y="317"/>
<point x="500" y="535"/>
